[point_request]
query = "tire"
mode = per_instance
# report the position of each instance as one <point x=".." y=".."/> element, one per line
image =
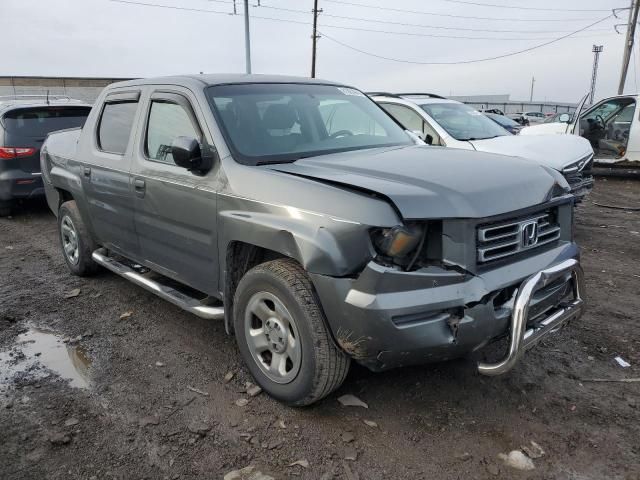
<point x="75" y="241"/>
<point x="311" y="366"/>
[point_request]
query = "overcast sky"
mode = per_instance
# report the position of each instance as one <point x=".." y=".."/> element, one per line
<point x="105" y="38"/>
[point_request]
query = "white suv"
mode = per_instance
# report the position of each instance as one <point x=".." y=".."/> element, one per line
<point x="440" y="121"/>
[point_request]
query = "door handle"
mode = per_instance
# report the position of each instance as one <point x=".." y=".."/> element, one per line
<point x="87" y="171"/>
<point x="139" y="187"/>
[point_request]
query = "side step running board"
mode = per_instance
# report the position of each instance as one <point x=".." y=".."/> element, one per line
<point x="190" y="304"/>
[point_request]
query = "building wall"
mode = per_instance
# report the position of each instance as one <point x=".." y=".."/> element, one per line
<point x="504" y="103"/>
<point x="85" y="89"/>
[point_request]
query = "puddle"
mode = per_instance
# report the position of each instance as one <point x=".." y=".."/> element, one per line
<point x="38" y="352"/>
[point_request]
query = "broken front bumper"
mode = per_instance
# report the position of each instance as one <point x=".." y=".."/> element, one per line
<point x="386" y="318"/>
<point x="580" y="186"/>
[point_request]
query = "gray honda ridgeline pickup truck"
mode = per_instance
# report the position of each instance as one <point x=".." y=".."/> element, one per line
<point x="300" y="213"/>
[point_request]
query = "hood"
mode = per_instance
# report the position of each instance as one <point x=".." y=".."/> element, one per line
<point x="554" y="151"/>
<point x="554" y="128"/>
<point x="435" y="182"/>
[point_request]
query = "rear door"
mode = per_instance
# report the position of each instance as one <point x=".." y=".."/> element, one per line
<point x="105" y="154"/>
<point x="26" y="128"/>
<point x="175" y="210"/>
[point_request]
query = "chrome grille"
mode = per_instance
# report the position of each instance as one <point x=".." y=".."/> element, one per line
<point x="503" y="239"/>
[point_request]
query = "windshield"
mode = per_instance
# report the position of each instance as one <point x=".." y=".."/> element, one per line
<point x="463" y="122"/>
<point x="38" y="122"/>
<point x="274" y="123"/>
<point x="502" y="120"/>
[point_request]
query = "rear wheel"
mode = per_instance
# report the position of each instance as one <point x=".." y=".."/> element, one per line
<point x="75" y="240"/>
<point x="282" y="335"/>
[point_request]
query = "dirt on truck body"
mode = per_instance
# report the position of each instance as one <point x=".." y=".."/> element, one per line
<point x="162" y="394"/>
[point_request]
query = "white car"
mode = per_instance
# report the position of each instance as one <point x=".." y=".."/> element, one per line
<point x="611" y="126"/>
<point x="534" y="117"/>
<point x="444" y="122"/>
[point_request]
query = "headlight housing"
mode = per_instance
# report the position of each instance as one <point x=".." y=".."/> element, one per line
<point x="399" y="243"/>
<point x="578" y="166"/>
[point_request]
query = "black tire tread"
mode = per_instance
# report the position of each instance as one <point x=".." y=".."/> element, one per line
<point x="86" y="267"/>
<point x="332" y="363"/>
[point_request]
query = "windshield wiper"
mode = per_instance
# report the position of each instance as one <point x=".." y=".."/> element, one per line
<point x="476" y="138"/>
<point x="288" y="160"/>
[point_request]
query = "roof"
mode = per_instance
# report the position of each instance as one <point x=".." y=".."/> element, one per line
<point x="413" y="98"/>
<point x="223" y="79"/>
<point x="17" y="102"/>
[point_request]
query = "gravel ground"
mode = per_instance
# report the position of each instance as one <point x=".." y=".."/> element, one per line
<point x="148" y="398"/>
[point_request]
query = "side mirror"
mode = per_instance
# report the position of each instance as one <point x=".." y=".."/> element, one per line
<point x="419" y="134"/>
<point x="564" y="118"/>
<point x="429" y="139"/>
<point x="187" y="154"/>
<point x="414" y="137"/>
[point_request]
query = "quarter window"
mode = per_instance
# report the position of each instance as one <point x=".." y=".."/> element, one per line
<point x="167" y="121"/>
<point x="115" y="126"/>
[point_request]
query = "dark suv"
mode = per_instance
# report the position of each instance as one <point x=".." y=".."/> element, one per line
<point x="25" y="121"/>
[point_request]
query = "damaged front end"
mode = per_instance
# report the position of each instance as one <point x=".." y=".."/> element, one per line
<point x="579" y="176"/>
<point x="474" y="281"/>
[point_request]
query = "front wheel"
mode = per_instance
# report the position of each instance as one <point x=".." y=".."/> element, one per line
<point x="75" y="240"/>
<point x="282" y="335"/>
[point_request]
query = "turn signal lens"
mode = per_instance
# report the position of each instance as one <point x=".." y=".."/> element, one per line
<point x="397" y="241"/>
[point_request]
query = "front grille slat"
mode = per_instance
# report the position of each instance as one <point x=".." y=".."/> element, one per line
<point x="503" y="239"/>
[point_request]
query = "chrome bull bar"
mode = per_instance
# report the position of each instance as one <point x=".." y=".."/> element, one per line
<point x="522" y="338"/>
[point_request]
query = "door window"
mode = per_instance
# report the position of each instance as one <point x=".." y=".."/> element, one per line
<point x="626" y="115"/>
<point x="115" y="125"/>
<point x="603" y="110"/>
<point x="167" y="121"/>
<point x="411" y="121"/>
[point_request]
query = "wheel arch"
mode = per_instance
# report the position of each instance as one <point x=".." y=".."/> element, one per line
<point x="242" y="257"/>
<point x="239" y="259"/>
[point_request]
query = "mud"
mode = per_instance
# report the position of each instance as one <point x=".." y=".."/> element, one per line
<point x="38" y="353"/>
<point x="161" y="405"/>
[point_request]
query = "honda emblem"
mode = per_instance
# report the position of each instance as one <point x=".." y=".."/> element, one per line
<point x="529" y="234"/>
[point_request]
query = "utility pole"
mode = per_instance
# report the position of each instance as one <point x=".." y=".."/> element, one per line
<point x="314" y="38"/>
<point x="533" y="81"/>
<point x="597" y="49"/>
<point x="628" y="45"/>
<point x="247" y="36"/>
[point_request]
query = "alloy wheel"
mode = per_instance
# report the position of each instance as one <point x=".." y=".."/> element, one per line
<point x="272" y="337"/>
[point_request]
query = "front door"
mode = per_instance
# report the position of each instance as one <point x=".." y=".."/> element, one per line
<point x="175" y="210"/>
<point x="413" y="122"/>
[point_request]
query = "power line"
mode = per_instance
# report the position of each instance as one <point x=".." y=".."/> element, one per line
<point x="465" y="61"/>
<point x="418" y="12"/>
<point x="299" y="22"/>
<point x="515" y="7"/>
<point x="172" y="7"/>
<point x="428" y="35"/>
<point x="419" y="25"/>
